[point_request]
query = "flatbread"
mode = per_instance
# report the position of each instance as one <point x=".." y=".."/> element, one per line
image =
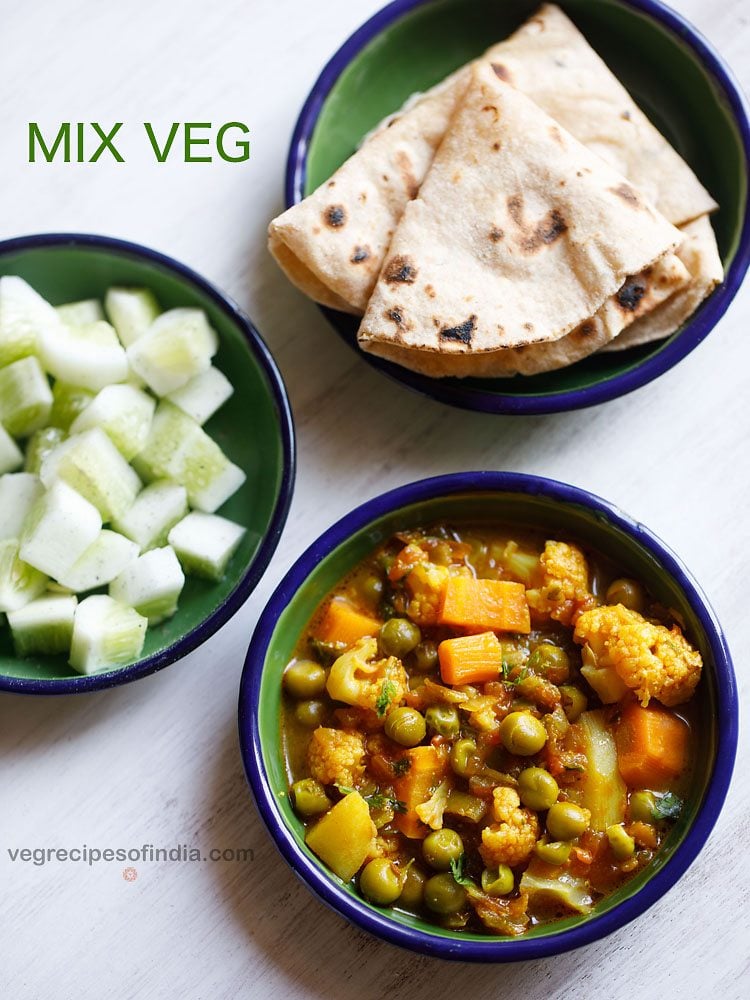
<point x="700" y="255"/>
<point x="332" y="244"/>
<point x="518" y="235"/>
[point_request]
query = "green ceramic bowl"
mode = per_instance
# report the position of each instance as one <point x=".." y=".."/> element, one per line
<point x="492" y="498"/>
<point x="669" y="68"/>
<point x="254" y="428"/>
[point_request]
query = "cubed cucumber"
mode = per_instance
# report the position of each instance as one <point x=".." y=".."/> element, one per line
<point x="43" y="626"/>
<point x="203" y="395"/>
<point x="24" y="314"/>
<point x="67" y="402"/>
<point x="151" y="584"/>
<point x="205" y="543"/>
<point x="121" y="411"/>
<point x="155" y="510"/>
<point x="19" y="582"/>
<point x="131" y="312"/>
<point x="105" y="634"/>
<point x="18" y="493"/>
<point x="58" y="529"/>
<point x="41" y="443"/>
<point x="25" y="397"/>
<point x="90" y="355"/>
<point x="102" y="561"/>
<point x="91" y="464"/>
<point x="178" y="346"/>
<point x="81" y="313"/>
<point x="11" y="456"/>
<point x="179" y="449"/>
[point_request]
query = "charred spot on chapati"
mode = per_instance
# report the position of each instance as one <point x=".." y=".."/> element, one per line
<point x="360" y="254"/>
<point x="461" y="333"/>
<point x="335" y="216"/>
<point x="430" y="291"/>
<point x="496" y="234"/>
<point x="628" y="194"/>
<point x="631" y="294"/>
<point x="501" y="72"/>
<point x="515" y="208"/>
<point x="556" y="134"/>
<point x="400" y="270"/>
<point x="585" y="329"/>
<point x="529" y="327"/>
<point x="551" y="227"/>
<point x="496" y="146"/>
<point x="404" y="164"/>
<point x="395" y="315"/>
<point x="625" y="115"/>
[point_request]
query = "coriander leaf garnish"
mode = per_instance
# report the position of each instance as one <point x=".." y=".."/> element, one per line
<point x="457" y="871"/>
<point x="376" y="800"/>
<point x="667" y="806"/>
<point x="401" y="766"/>
<point x="508" y="669"/>
<point x="388" y="692"/>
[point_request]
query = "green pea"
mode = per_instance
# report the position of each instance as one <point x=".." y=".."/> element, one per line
<point x="627" y="592"/>
<point x="412" y="891"/>
<point x="309" y="797"/>
<point x="304" y="679"/>
<point x="574" y="701"/>
<point x="566" y="821"/>
<point x="463" y="757"/>
<point x="550" y="661"/>
<point x="426" y="656"/>
<point x="310" y="713"/>
<point x="441" y="847"/>
<point x="498" y="883"/>
<point x="398" y="637"/>
<point x="443" y="719"/>
<point x="372" y="589"/>
<point x="537" y="788"/>
<point x="405" y="726"/>
<point x="522" y="734"/>
<point x="620" y="841"/>
<point x="553" y="852"/>
<point x="442" y="894"/>
<point x="642" y="806"/>
<point x="380" y="882"/>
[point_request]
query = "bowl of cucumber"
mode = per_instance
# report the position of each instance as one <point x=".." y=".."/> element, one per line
<point x="147" y="461"/>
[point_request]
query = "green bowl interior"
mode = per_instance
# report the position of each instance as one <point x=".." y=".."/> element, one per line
<point x="246" y="427"/>
<point x="661" y="71"/>
<point x="578" y="523"/>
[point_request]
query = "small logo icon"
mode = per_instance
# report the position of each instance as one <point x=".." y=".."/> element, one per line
<point x="129" y="874"/>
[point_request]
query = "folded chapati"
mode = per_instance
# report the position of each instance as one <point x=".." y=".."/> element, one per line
<point x="700" y="255"/>
<point x="332" y="244"/>
<point x="518" y="235"/>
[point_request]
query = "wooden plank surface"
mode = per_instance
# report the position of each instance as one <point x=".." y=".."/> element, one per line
<point x="157" y="762"/>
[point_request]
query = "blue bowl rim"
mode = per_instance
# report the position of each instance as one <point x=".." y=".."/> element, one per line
<point x="455" y="393"/>
<point x="250" y="579"/>
<point x="513" y="949"/>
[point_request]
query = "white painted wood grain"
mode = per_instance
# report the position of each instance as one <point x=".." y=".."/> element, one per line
<point x="157" y="762"/>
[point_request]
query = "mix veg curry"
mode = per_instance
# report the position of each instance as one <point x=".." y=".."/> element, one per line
<point x="488" y="731"/>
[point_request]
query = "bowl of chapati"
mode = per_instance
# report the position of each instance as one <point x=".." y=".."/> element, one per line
<point x="516" y="208"/>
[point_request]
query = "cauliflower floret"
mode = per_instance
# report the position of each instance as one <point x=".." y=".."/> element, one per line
<point x="358" y="678"/>
<point x="335" y="757"/>
<point x="511" y="840"/>
<point x="656" y="662"/>
<point x="565" y="583"/>
<point x="431" y="811"/>
<point x="426" y="583"/>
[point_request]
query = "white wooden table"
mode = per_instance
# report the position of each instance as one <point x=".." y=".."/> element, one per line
<point x="157" y="762"/>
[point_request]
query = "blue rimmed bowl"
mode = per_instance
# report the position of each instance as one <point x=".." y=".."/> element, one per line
<point x="254" y="427"/>
<point x="507" y="499"/>
<point x="668" y="66"/>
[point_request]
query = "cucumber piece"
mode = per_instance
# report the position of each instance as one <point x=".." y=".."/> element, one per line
<point x="58" y="529"/>
<point x="91" y="464"/>
<point x="41" y="443"/>
<point x="25" y="397"/>
<point x="43" y="626"/>
<point x="18" y="493"/>
<point x="122" y="412"/>
<point x="80" y="313"/>
<point x="203" y="395"/>
<point x="102" y="561"/>
<point x="90" y="355"/>
<point x="152" y="584"/>
<point x="24" y="314"/>
<point x="11" y="456"/>
<point x="131" y="312"/>
<point x="19" y="582"/>
<point x="155" y="510"/>
<point x="105" y="634"/>
<point x="67" y="402"/>
<point x="205" y="543"/>
<point x="179" y="449"/>
<point x="178" y="345"/>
